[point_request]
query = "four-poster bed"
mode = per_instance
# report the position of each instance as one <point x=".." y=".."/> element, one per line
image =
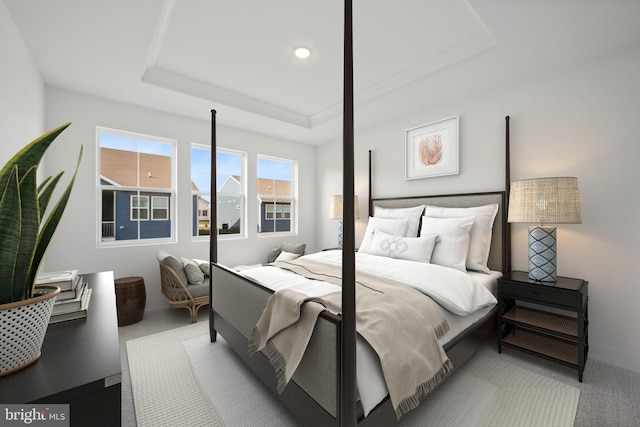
<point x="323" y="390"/>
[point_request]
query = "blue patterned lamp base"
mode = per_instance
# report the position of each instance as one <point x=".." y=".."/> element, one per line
<point x="542" y="254"/>
<point x="339" y="234"/>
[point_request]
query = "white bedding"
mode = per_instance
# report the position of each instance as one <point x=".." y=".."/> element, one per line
<point x="465" y="298"/>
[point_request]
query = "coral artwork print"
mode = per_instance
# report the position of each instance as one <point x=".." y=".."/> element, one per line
<point x="430" y="150"/>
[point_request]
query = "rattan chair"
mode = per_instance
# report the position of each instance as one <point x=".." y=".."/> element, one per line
<point x="178" y="294"/>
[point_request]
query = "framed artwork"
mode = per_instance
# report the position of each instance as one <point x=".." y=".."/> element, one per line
<point x="432" y="149"/>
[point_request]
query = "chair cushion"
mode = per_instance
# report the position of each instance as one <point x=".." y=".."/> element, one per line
<point x="173" y="263"/>
<point x="200" y="290"/>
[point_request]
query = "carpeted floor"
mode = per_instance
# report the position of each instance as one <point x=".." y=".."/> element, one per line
<point x="193" y="389"/>
<point x="609" y="395"/>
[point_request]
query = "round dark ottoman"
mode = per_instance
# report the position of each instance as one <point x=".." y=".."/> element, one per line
<point x="131" y="298"/>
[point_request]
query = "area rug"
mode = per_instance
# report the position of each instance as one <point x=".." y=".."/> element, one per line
<point x="179" y="378"/>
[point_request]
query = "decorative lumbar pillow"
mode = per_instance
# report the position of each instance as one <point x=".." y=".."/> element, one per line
<point x="454" y="235"/>
<point x="287" y="256"/>
<point x="410" y="248"/>
<point x="481" y="231"/>
<point x="195" y="276"/>
<point x="204" y="265"/>
<point x="412" y="214"/>
<point x="395" y="227"/>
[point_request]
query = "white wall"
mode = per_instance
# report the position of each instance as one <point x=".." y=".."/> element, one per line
<point x="74" y="245"/>
<point x="21" y="91"/>
<point x="580" y="122"/>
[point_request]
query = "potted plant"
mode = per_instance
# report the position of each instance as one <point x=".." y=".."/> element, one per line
<point x="24" y="237"/>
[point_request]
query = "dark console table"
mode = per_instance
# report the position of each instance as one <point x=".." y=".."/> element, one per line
<point x="80" y="363"/>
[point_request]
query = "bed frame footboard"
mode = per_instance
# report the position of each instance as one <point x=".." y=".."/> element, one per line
<point x="314" y="391"/>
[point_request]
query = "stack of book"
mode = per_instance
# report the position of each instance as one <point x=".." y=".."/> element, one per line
<point x="73" y="300"/>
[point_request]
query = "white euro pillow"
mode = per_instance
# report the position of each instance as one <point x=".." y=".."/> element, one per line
<point x="412" y="214"/>
<point x="394" y="227"/>
<point x="454" y="235"/>
<point x="481" y="231"/>
<point x="410" y="248"/>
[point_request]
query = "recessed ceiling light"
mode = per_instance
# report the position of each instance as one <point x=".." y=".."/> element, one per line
<point x="302" y="52"/>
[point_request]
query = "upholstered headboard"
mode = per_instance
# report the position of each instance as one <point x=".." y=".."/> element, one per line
<point x="498" y="255"/>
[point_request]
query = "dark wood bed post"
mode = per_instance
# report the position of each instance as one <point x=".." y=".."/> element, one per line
<point x="505" y="210"/>
<point x="348" y="392"/>
<point x="213" y="224"/>
<point x="370" y="186"/>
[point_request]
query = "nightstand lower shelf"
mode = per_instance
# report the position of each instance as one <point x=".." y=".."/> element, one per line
<point x="543" y="345"/>
<point x="563" y="325"/>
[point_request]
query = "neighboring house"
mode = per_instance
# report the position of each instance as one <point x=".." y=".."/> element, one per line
<point x="139" y="198"/>
<point x="200" y="213"/>
<point x="274" y="202"/>
<point x="230" y="205"/>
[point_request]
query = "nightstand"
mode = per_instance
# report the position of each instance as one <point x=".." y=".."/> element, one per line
<point x="549" y="320"/>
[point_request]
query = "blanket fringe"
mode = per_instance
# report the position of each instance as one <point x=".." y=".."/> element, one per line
<point x="442" y="329"/>
<point x="276" y="359"/>
<point x="423" y="389"/>
<point x="254" y="341"/>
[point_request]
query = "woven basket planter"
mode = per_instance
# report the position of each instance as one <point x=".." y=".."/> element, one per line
<point x="23" y="326"/>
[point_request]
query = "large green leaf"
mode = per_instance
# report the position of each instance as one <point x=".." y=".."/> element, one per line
<point x="30" y="155"/>
<point x="46" y="191"/>
<point x="46" y="232"/>
<point x="28" y="235"/>
<point x="10" y="218"/>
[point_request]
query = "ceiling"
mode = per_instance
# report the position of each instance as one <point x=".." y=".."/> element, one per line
<point x="188" y="57"/>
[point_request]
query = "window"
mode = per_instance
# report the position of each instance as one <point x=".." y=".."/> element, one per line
<point x="137" y="185"/>
<point x="276" y="188"/>
<point x="139" y="208"/>
<point x="230" y="188"/>
<point x="159" y="208"/>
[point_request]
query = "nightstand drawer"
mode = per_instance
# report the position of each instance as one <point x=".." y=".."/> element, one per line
<point x="541" y="294"/>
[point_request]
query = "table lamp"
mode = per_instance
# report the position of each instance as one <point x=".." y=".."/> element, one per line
<point x="553" y="200"/>
<point x="335" y="212"/>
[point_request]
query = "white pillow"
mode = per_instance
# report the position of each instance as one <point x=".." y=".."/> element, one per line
<point x="480" y="232"/>
<point x="395" y="227"/>
<point x="410" y="248"/>
<point x="287" y="256"/>
<point x="413" y="214"/>
<point x="454" y="235"/>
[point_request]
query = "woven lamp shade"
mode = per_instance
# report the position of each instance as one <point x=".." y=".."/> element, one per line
<point x="335" y="207"/>
<point x="545" y="201"/>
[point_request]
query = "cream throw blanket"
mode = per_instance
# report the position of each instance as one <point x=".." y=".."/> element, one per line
<point x="400" y="323"/>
